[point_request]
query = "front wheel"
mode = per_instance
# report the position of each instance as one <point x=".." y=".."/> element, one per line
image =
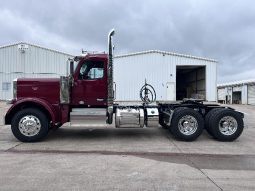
<point x="30" y="125"/>
<point x="187" y="124"/>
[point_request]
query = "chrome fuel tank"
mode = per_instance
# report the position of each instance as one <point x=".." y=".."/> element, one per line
<point x="129" y="117"/>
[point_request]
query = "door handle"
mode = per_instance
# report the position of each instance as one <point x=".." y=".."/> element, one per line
<point x="100" y="99"/>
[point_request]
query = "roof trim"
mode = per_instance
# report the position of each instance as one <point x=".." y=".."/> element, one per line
<point x="166" y="53"/>
<point x="236" y="83"/>
<point x="38" y="46"/>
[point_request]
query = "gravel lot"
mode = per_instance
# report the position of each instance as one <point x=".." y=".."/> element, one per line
<point x="86" y="158"/>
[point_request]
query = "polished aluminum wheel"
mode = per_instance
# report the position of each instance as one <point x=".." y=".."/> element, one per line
<point x="188" y="125"/>
<point x="29" y="125"/>
<point x="228" y="125"/>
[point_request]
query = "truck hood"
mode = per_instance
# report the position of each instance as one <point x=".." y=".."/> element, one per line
<point x="43" y="88"/>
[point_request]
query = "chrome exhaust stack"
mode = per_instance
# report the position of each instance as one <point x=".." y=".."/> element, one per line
<point x="110" y="97"/>
<point x="110" y="69"/>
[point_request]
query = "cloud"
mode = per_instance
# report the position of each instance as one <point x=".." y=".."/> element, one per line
<point x="223" y="30"/>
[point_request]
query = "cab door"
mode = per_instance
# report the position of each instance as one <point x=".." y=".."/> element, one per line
<point x="90" y="84"/>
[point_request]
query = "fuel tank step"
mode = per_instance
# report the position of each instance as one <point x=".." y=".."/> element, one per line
<point x="88" y="116"/>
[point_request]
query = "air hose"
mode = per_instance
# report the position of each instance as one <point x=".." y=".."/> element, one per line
<point x="147" y="93"/>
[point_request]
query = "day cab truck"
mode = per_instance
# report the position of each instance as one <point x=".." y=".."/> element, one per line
<point x="87" y="94"/>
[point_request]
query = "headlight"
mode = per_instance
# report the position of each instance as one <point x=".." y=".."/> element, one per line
<point x="14" y="88"/>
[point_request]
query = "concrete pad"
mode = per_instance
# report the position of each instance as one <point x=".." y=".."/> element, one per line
<point x="6" y="145"/>
<point x="232" y="180"/>
<point x="7" y="140"/>
<point x="207" y="145"/>
<point x="111" y="139"/>
<point x="132" y="140"/>
<point x="96" y="172"/>
<point x="3" y="109"/>
<point x="6" y="134"/>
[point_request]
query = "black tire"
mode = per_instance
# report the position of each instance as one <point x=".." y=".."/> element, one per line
<point x="179" y="113"/>
<point x="208" y="120"/>
<point x="216" y="120"/>
<point x="40" y="116"/>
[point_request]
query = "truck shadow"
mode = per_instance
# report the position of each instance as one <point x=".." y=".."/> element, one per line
<point x="158" y="137"/>
<point x="105" y="133"/>
<point x="114" y="133"/>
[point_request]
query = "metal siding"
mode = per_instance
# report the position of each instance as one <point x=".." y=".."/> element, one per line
<point x="251" y="94"/>
<point x="43" y="61"/>
<point x="211" y="81"/>
<point x="131" y="71"/>
<point x="9" y="55"/>
<point x="221" y="94"/>
<point x="229" y="91"/>
<point x="244" y="94"/>
<point x="237" y="88"/>
<point x="5" y="95"/>
<point x="35" y="62"/>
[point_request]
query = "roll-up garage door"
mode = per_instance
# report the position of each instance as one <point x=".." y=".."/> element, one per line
<point x="221" y="94"/>
<point x="251" y="94"/>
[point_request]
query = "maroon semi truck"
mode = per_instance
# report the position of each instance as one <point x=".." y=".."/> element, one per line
<point x="87" y="96"/>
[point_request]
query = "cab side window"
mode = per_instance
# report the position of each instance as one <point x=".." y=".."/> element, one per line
<point x="91" y="70"/>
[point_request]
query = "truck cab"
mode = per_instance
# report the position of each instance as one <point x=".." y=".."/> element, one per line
<point x="89" y="88"/>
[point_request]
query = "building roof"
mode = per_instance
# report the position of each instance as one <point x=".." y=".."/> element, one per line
<point x="166" y="53"/>
<point x="120" y="56"/>
<point x="38" y="46"/>
<point x="237" y="83"/>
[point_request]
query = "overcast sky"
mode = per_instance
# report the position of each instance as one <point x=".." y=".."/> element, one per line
<point x="220" y="29"/>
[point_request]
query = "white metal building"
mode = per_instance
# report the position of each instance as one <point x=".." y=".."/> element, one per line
<point x="174" y="76"/>
<point x="239" y="92"/>
<point x="28" y="60"/>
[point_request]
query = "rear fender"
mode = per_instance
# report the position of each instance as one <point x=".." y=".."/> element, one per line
<point x="41" y="104"/>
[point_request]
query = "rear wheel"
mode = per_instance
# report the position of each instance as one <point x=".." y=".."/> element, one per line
<point x="208" y="120"/>
<point x="226" y="125"/>
<point x="187" y="124"/>
<point x="30" y="125"/>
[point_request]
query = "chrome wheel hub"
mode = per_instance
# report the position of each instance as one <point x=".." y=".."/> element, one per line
<point x="188" y="125"/>
<point x="228" y="125"/>
<point x="29" y="125"/>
